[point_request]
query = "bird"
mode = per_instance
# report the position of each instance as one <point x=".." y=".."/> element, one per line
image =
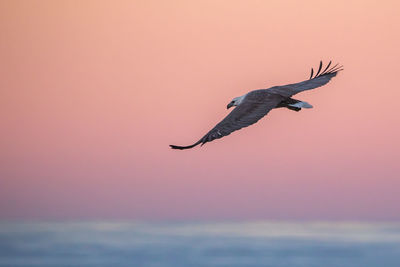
<point x="254" y="105"/>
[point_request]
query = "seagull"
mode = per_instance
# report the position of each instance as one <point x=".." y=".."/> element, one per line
<point x="254" y="105"/>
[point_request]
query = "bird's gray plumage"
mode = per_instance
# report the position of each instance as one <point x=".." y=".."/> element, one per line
<point x="256" y="104"/>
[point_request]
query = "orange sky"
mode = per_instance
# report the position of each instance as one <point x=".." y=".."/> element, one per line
<point x="93" y="92"/>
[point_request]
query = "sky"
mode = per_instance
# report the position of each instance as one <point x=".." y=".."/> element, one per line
<point x="93" y="92"/>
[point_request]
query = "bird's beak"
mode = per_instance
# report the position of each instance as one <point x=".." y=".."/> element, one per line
<point x="229" y="105"/>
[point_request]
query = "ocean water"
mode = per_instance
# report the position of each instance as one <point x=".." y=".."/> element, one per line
<point x="249" y="244"/>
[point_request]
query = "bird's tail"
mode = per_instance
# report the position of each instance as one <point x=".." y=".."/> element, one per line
<point x="301" y="104"/>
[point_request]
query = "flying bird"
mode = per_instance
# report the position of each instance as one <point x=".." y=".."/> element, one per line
<point x="254" y="105"/>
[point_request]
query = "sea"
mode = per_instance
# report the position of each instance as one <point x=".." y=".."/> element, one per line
<point x="199" y="244"/>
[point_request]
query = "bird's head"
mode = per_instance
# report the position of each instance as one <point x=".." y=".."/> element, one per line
<point x="235" y="102"/>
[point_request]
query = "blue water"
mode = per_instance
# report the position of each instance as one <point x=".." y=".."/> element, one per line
<point x="250" y="244"/>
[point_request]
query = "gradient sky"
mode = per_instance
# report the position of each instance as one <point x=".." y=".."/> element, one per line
<point x="93" y="92"/>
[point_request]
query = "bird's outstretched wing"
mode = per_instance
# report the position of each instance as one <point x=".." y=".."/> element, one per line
<point x="255" y="106"/>
<point x="321" y="78"/>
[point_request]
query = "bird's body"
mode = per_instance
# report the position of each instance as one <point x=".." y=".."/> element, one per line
<point x="254" y="105"/>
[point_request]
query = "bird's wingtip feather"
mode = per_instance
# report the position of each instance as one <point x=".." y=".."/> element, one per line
<point x="176" y="147"/>
<point x="184" y="147"/>
<point x="332" y="70"/>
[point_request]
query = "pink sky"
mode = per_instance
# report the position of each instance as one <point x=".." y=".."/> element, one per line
<point x="93" y="92"/>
